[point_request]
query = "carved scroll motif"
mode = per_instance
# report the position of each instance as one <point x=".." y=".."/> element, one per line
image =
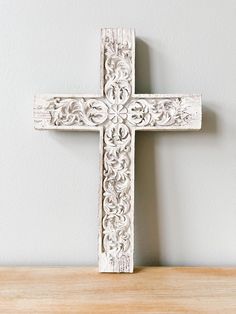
<point x="159" y="112"/>
<point x="118" y="68"/>
<point x="77" y="111"/>
<point x="70" y="112"/>
<point x="116" y="194"/>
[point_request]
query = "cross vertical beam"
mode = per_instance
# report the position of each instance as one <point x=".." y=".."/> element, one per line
<point x="117" y="211"/>
<point x="117" y="113"/>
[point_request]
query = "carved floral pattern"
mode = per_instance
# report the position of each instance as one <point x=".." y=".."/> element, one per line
<point x="158" y="112"/>
<point x="118" y="68"/>
<point x="77" y="111"/>
<point x="116" y="186"/>
<point x="117" y="113"/>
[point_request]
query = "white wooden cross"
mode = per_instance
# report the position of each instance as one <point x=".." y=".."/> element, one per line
<point x="117" y="113"/>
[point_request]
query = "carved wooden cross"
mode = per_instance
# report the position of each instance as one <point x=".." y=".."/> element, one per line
<point x="117" y="113"/>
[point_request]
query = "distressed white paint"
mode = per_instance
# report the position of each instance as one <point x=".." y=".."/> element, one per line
<point x="117" y="113"/>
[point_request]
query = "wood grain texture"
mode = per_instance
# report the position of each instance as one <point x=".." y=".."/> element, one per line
<point x="147" y="290"/>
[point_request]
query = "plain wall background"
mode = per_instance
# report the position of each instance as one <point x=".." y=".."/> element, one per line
<point x="185" y="181"/>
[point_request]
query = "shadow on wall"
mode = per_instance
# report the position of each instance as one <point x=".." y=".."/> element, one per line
<point x="148" y="244"/>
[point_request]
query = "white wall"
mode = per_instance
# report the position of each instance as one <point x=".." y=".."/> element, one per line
<point x="185" y="182"/>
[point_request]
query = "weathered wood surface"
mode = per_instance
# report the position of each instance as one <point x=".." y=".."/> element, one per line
<point x="147" y="290"/>
<point x="117" y="113"/>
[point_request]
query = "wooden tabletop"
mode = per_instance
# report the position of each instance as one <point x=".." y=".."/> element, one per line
<point x="147" y="290"/>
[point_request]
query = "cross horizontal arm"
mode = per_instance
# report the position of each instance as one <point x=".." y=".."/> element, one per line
<point x="165" y="112"/>
<point x="69" y="112"/>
